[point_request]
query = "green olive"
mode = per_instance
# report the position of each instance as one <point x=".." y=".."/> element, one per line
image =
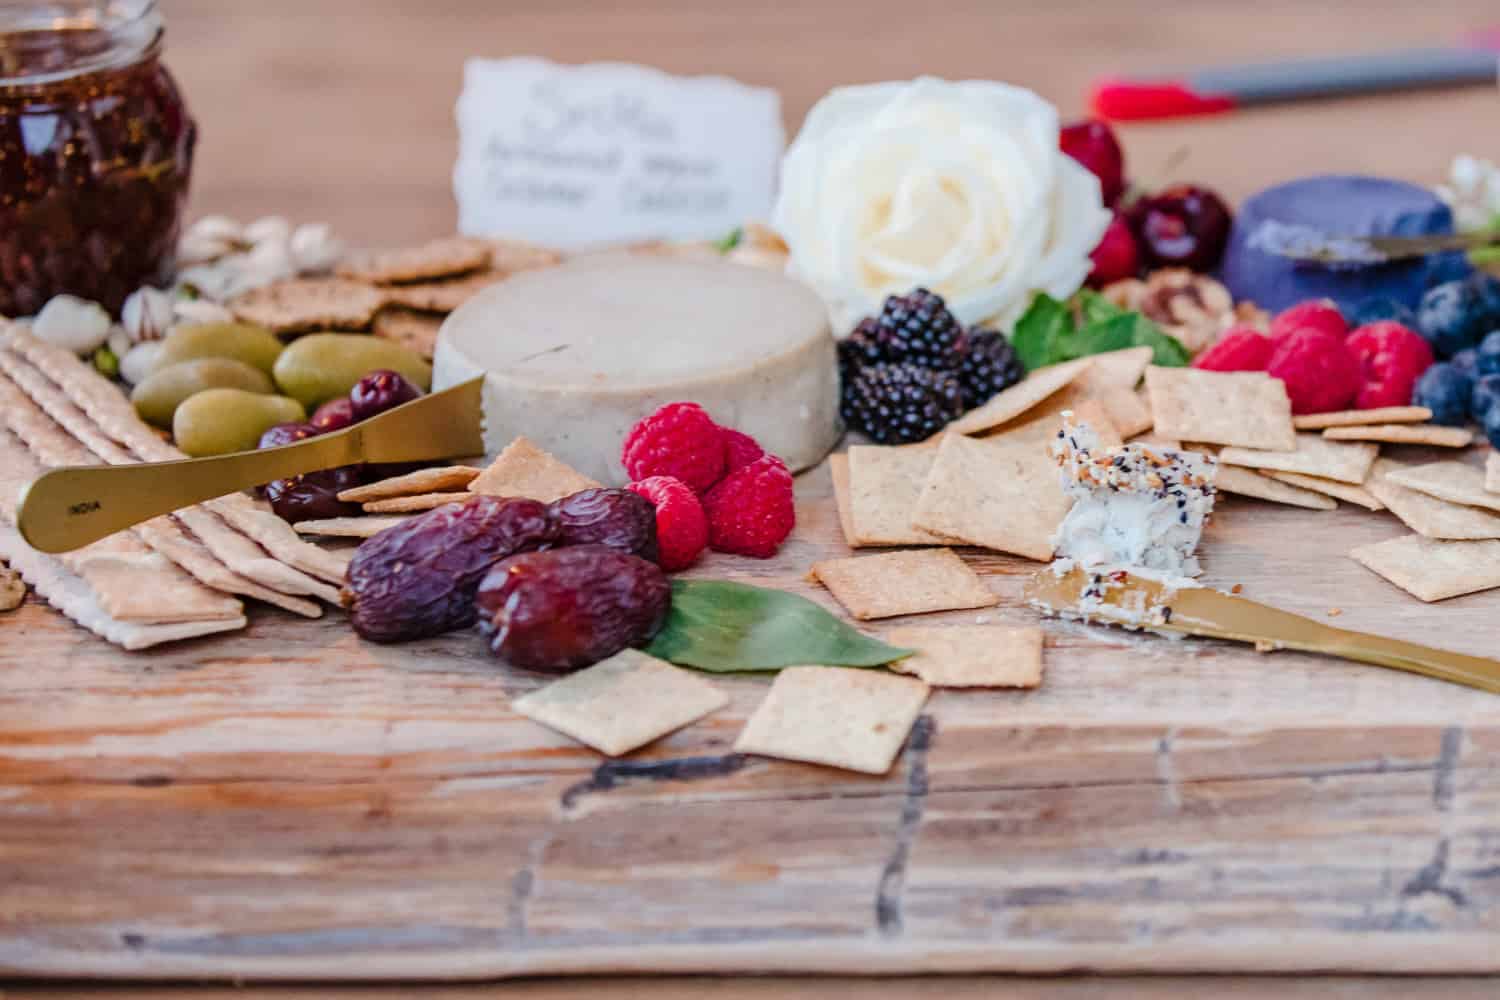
<point x="253" y="345"/>
<point x="219" y="421"/>
<point x="158" y="397"/>
<point x="324" y="366"/>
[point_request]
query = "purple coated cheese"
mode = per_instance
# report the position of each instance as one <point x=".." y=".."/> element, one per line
<point x="1317" y="208"/>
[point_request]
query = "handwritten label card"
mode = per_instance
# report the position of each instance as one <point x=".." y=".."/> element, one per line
<point x="577" y="156"/>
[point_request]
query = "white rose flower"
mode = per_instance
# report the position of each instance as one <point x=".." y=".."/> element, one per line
<point x="956" y="187"/>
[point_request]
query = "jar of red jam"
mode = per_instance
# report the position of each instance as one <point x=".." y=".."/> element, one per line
<point x="96" y="146"/>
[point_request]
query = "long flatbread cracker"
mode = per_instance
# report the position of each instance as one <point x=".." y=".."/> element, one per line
<point x="1433" y="435"/>
<point x="1249" y="483"/>
<point x="1359" y="418"/>
<point x="1347" y="492"/>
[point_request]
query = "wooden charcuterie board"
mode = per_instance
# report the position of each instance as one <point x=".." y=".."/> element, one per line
<point x="290" y="802"/>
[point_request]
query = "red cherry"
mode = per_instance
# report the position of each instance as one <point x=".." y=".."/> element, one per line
<point x="1116" y="257"/>
<point x="1319" y="314"/>
<point x="1182" y="226"/>
<point x="1093" y="144"/>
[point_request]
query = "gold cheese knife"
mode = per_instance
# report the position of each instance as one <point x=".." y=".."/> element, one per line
<point x="1126" y="599"/>
<point x="67" y="508"/>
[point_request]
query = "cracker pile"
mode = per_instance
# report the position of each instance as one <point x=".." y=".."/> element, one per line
<point x="402" y="295"/>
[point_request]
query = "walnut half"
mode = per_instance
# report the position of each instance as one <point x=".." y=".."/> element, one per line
<point x="1192" y="307"/>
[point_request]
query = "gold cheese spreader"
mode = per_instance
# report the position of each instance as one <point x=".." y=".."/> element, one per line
<point x="1126" y="599"/>
<point x="68" y="508"/>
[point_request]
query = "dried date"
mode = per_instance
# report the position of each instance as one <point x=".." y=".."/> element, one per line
<point x="564" y="609"/>
<point x="315" y="495"/>
<point x="418" y="578"/>
<point x="619" y="519"/>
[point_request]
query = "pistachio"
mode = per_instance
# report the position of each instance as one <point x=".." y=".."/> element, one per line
<point x="200" y="311"/>
<point x="77" y="324"/>
<point x="137" y="363"/>
<point x="147" y="314"/>
<point x="271" y="228"/>
<point x="314" y="248"/>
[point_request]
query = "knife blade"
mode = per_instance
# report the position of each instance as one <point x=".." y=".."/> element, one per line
<point x="67" y="508"/>
<point x="1124" y="598"/>
<point x="1329" y="249"/>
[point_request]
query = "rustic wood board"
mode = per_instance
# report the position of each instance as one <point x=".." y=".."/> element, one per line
<point x="292" y="803"/>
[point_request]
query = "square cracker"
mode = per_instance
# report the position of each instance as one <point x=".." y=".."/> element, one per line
<point x="1040" y="427"/>
<point x="883" y="487"/>
<point x="971" y="655"/>
<point x="1246" y="409"/>
<point x="415" y="504"/>
<point x="413" y="329"/>
<point x="993" y="494"/>
<point x="1432" y="570"/>
<point x="1314" y="455"/>
<point x="524" y="470"/>
<point x="839" y="716"/>
<point x="838" y="471"/>
<point x="903" y="583"/>
<point x="1248" y="483"/>
<point x="1492" y="472"/>
<point x="1019" y="398"/>
<point x="1357" y="418"/>
<point x="1428" y="434"/>
<point x="1347" y="492"/>
<point x="1426" y="515"/>
<point x="434" y="480"/>
<point x="622" y="703"/>
<point x="1455" y="482"/>
<point x="446" y="257"/>
<point x="1104" y="395"/>
<point x="348" y="527"/>
<point x="302" y="305"/>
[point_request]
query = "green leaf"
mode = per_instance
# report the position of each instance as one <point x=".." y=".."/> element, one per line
<point x="1041" y="334"/>
<point x="1128" y="329"/>
<point x="724" y="627"/>
<point x="728" y="243"/>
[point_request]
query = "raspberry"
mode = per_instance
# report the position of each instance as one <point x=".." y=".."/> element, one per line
<point x="1321" y="374"/>
<point x="1320" y="314"/>
<point x="1241" y="349"/>
<point x="751" y="512"/>
<point x="679" y="440"/>
<point x="1393" y="357"/>
<point x="740" y="449"/>
<point x="681" y="525"/>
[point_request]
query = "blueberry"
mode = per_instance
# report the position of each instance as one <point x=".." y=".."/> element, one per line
<point x="1448" y="318"/>
<point x="1374" y="310"/>
<point x="1445" y="267"/>
<point x="1487" y="357"/>
<point x="1492" y="427"/>
<point x="1445" y="390"/>
<point x="1466" y="361"/>
<point x="1486" y="291"/>
<point x="1483" y="396"/>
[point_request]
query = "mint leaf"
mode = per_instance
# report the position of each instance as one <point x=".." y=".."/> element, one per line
<point x="1042" y="334"/>
<point x="1051" y="332"/>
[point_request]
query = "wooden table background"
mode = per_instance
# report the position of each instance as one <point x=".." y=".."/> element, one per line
<point x="341" y="110"/>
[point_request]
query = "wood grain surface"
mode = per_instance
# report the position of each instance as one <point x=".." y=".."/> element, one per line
<point x="291" y="803"/>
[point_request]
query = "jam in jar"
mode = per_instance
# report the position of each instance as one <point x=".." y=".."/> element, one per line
<point x="96" y="146"/>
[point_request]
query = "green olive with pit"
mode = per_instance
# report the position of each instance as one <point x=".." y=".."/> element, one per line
<point x="220" y="421"/>
<point x="156" y="399"/>
<point x="324" y="366"/>
<point x="254" y="345"/>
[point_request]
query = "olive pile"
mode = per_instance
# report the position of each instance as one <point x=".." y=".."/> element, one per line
<point x="219" y="386"/>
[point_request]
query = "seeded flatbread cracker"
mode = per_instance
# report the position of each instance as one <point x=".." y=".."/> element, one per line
<point x="622" y="703"/>
<point x="1347" y="492"/>
<point x="1012" y="402"/>
<point x="1314" y="455"/>
<point x="883" y="488"/>
<point x="524" y="470"/>
<point x="995" y="495"/>
<point x="434" y="480"/>
<point x="1435" y="435"/>
<point x="1492" y="472"/>
<point x="1432" y="570"/>
<point x="413" y="329"/>
<point x="1248" y="483"/>
<point x="971" y="655"/>
<point x="1426" y="515"/>
<point x="903" y="583"/>
<point x="838" y="716"/>
<point x="447" y="257"/>
<point x="1359" y="418"/>
<point x="1455" y="482"/>
<point x="442" y="296"/>
<point x="301" y="305"/>
<point x="417" y="503"/>
<point x="1244" y="409"/>
<point x="838" y="471"/>
<point x="348" y="527"/>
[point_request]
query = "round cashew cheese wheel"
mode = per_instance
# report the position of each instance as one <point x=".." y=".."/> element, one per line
<point x="572" y="356"/>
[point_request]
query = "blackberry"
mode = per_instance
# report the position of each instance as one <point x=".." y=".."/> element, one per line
<point x="918" y="328"/>
<point x="901" y="403"/>
<point x="989" y="365"/>
<point x="859" y="350"/>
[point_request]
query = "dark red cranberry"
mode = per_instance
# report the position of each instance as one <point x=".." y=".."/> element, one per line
<point x="282" y="434"/>
<point x="1182" y="226"/>
<point x="1094" y="145"/>
<point x="334" y="415"/>
<point x="380" y="391"/>
<point x="1116" y="257"/>
<point x="314" y="495"/>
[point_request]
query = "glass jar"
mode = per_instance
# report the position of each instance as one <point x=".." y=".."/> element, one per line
<point x="96" y="146"/>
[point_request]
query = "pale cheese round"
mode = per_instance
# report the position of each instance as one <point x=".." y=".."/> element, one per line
<point x="573" y="356"/>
